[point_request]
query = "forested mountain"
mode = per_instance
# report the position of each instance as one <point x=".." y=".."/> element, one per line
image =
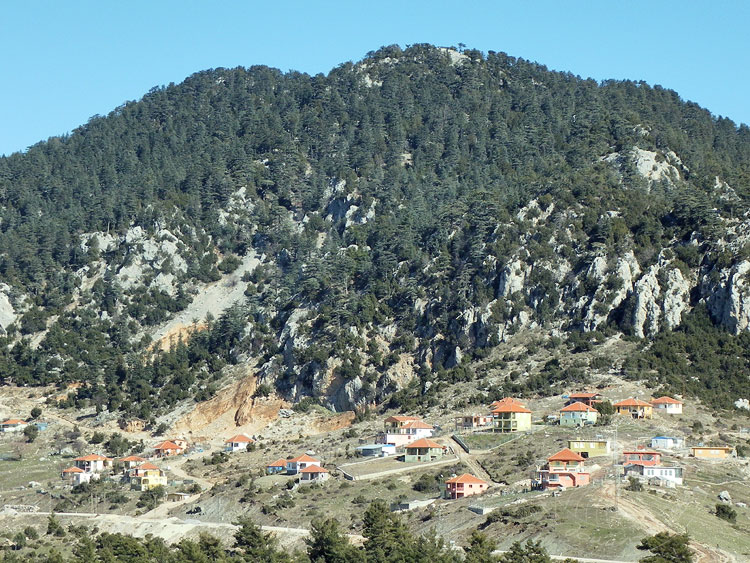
<point x="394" y="220"/>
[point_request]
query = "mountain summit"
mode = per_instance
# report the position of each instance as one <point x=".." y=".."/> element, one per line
<point x="370" y="232"/>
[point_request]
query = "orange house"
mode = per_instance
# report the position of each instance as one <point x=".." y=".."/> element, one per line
<point x="564" y="469"/>
<point x="711" y="452"/>
<point x="641" y="457"/>
<point x="464" y="486"/>
<point x="634" y="408"/>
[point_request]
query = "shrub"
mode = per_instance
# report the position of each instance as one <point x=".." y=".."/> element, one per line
<point x="726" y="512"/>
<point x="634" y="484"/>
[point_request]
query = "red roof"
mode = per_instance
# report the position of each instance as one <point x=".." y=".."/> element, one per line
<point x="507" y="401"/>
<point x="73" y="470"/>
<point x="14" y="421"/>
<point x="467" y="478"/>
<point x="665" y="401"/>
<point x="632" y="403"/>
<point x="401" y="418"/>
<point x="578" y="407"/>
<point x="641" y="452"/>
<point x="147" y="465"/>
<point x="167" y="445"/>
<point x="418" y="424"/>
<point x="583" y="395"/>
<point x="565" y="455"/>
<point x="314" y="469"/>
<point x="303" y="458"/>
<point x="278" y="463"/>
<point x="510" y="407"/>
<point x="91" y="457"/>
<point x="133" y="458"/>
<point x="239" y="438"/>
<point x="423" y="443"/>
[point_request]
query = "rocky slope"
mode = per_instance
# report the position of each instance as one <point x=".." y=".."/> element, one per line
<point x="345" y="237"/>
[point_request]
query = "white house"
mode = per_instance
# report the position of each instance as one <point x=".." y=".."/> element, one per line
<point x="297" y="464"/>
<point x="668" y="476"/>
<point x="12" y="425"/>
<point x="93" y="463"/>
<point x="238" y="442"/>
<point x="377" y="450"/>
<point x="313" y="473"/>
<point x="667" y="442"/>
<point x="667" y="405"/>
<point x="403" y="430"/>
<point x="76" y="475"/>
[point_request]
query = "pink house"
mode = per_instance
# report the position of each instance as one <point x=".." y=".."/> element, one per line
<point x="564" y="469"/>
<point x="464" y="486"/>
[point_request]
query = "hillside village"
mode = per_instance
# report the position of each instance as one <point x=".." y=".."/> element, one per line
<point x="491" y="300"/>
<point x="610" y="453"/>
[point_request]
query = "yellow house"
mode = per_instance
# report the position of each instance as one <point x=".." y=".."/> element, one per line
<point x="511" y="417"/>
<point x="589" y="448"/>
<point x="635" y="408"/>
<point x="711" y="452"/>
<point x="147" y="476"/>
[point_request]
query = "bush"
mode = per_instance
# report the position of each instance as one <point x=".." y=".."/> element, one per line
<point x="426" y="484"/>
<point x="634" y="484"/>
<point x="726" y="512"/>
<point x="36" y="412"/>
<point x="150" y="499"/>
<point x="31" y="432"/>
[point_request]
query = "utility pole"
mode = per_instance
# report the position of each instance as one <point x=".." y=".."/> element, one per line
<point x="615" y="470"/>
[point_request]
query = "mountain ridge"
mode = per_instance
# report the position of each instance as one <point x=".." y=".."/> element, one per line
<point x="408" y="213"/>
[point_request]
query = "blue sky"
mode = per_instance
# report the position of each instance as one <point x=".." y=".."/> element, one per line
<point x="63" y="62"/>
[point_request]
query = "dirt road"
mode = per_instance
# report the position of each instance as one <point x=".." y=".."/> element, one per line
<point x="653" y="525"/>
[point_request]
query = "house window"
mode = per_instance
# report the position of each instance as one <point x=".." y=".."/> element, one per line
<point x="553" y="477"/>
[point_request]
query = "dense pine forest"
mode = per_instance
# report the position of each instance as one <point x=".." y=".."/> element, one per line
<point x="414" y="209"/>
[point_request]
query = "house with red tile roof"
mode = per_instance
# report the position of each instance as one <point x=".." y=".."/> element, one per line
<point x="506" y="401"/>
<point x="474" y="420"/>
<point x="76" y="476"/>
<point x="578" y="414"/>
<point x="13" y="425"/>
<point x="641" y="456"/>
<point x="313" y="473"/>
<point x="564" y="469"/>
<point x="634" y="408"/>
<point x="402" y="430"/>
<point x="131" y="461"/>
<point x="589" y="399"/>
<point x="511" y="416"/>
<point x="93" y="463"/>
<point x="424" y="450"/>
<point x="278" y="466"/>
<point x="464" y="485"/>
<point x="147" y="476"/>
<point x="297" y="464"/>
<point x="667" y="405"/>
<point x="167" y="448"/>
<point x="238" y="442"/>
